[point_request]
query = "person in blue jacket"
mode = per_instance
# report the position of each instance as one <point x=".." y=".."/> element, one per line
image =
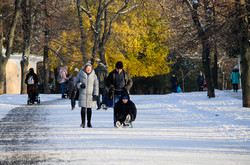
<point x="235" y="78"/>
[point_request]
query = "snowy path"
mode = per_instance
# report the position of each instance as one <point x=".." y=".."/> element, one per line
<point x="171" y="129"/>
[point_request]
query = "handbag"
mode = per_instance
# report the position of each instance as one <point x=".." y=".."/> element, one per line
<point x="75" y="94"/>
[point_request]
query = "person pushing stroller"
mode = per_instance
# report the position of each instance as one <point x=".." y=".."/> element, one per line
<point x="124" y="111"/>
<point x="31" y="80"/>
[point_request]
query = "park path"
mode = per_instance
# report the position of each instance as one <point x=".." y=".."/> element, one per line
<point x="171" y="129"/>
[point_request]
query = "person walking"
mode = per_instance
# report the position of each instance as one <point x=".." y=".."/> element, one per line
<point x="31" y="80"/>
<point x="72" y="87"/>
<point x="63" y="79"/>
<point x="87" y="83"/>
<point x="174" y="83"/>
<point x="118" y="81"/>
<point x="124" y="111"/>
<point x="102" y="73"/>
<point x="235" y="78"/>
<point x="200" y="81"/>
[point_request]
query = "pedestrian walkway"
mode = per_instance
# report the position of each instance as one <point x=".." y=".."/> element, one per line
<point x="237" y="95"/>
<point x="185" y="128"/>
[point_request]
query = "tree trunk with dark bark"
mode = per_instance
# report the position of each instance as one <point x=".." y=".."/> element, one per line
<point x="82" y="32"/>
<point x="11" y="35"/>
<point x="27" y="29"/>
<point x="244" y="30"/>
<point x="46" y="54"/>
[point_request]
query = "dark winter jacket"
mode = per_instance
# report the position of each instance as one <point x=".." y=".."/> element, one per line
<point x="174" y="81"/>
<point x="112" y="79"/>
<point x="31" y="87"/>
<point x="101" y="72"/>
<point x="121" y="110"/>
<point x="200" y="81"/>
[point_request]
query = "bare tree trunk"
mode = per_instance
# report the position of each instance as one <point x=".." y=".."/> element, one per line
<point x="206" y="66"/>
<point x="183" y="80"/>
<point x="83" y="36"/>
<point x="243" y="26"/>
<point x="27" y="29"/>
<point x="11" y="35"/>
<point x="97" y="31"/>
<point x="203" y="36"/>
<point x="46" y="54"/>
<point x="215" y="68"/>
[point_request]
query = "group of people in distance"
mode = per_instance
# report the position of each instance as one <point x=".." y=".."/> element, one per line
<point x="92" y="84"/>
<point x="88" y="85"/>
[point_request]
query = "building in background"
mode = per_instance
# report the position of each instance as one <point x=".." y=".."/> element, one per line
<point x="13" y="71"/>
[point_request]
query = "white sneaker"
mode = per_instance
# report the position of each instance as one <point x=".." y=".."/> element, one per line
<point x="118" y="124"/>
<point x="127" y="120"/>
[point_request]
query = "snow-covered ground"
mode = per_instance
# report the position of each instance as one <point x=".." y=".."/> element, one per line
<point x="183" y="128"/>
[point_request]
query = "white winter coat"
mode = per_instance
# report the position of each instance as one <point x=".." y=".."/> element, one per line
<point x="91" y="88"/>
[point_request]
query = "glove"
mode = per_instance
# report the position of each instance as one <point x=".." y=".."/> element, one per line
<point x="82" y="86"/>
<point x="95" y="98"/>
<point x="111" y="90"/>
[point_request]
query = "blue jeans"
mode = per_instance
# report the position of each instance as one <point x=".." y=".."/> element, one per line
<point x="116" y="99"/>
<point x="63" y="85"/>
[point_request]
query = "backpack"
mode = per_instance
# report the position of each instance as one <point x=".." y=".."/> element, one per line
<point x="59" y="77"/>
<point x="31" y="80"/>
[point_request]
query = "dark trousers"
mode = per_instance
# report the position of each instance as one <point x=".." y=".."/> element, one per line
<point x="89" y="114"/>
<point x="235" y="87"/>
<point x="32" y="96"/>
<point x="101" y="91"/>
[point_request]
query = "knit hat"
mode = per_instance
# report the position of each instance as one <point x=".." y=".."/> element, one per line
<point x="65" y="67"/>
<point x="119" y="65"/>
<point x="98" y="60"/>
<point x="76" y="70"/>
<point x="125" y="97"/>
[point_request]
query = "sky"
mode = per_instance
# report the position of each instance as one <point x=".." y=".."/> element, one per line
<point x="176" y="128"/>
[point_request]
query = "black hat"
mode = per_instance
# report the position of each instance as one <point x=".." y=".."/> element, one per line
<point x="119" y="65"/>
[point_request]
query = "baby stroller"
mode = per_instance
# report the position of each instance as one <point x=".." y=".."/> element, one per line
<point x="33" y="95"/>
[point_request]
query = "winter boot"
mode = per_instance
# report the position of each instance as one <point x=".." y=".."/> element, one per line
<point x="89" y="113"/>
<point x="89" y="124"/>
<point x="83" y="111"/>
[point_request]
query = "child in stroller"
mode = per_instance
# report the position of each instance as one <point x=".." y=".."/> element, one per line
<point x="31" y="81"/>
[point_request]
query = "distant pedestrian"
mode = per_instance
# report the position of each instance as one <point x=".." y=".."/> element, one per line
<point x="200" y="82"/>
<point x="31" y="80"/>
<point x="102" y="73"/>
<point x="124" y="111"/>
<point x="235" y="78"/>
<point x="174" y="83"/>
<point x="62" y="79"/>
<point x="72" y="87"/>
<point x="118" y="81"/>
<point x="87" y="83"/>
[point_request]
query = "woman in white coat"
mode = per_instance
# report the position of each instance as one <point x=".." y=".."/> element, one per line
<point x="87" y="83"/>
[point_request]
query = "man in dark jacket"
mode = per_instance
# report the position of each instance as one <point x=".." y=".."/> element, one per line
<point x="174" y="83"/>
<point x="200" y="81"/>
<point x="101" y="72"/>
<point x="31" y="80"/>
<point x="118" y="81"/>
<point x="124" y="111"/>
